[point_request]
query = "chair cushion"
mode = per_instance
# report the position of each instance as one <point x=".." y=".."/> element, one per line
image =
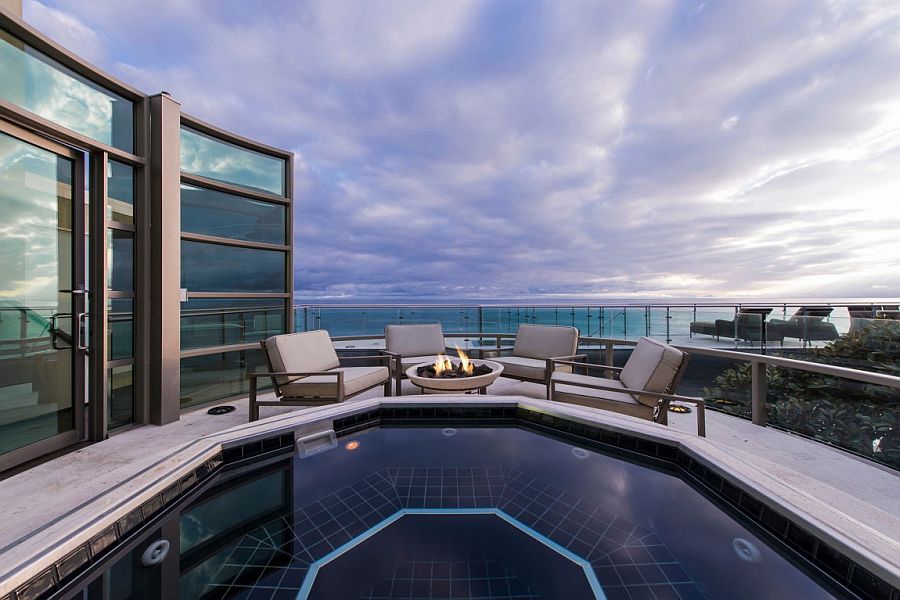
<point x="414" y="340"/>
<point x="356" y="379"/>
<point x="568" y="389"/>
<point x="304" y="352"/>
<point x="545" y="341"/>
<point x="519" y="366"/>
<point x="652" y="367"/>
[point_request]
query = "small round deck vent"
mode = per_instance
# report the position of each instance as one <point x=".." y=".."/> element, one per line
<point x="220" y="410"/>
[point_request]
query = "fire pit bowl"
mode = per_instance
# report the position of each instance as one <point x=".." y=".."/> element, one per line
<point x="449" y="385"/>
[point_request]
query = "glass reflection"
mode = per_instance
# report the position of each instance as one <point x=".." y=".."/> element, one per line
<point x="215" y="159"/>
<point x="121" y="396"/>
<point x="120" y="258"/>
<point x="121" y="328"/>
<point x="217" y="376"/>
<point x="48" y="89"/>
<point x="217" y="268"/>
<point x="120" y="192"/>
<point x="221" y="321"/>
<point x="225" y="215"/>
<point x="36" y="397"/>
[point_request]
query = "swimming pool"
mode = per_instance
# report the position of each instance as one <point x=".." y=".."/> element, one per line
<point x="485" y="499"/>
<point x="472" y="512"/>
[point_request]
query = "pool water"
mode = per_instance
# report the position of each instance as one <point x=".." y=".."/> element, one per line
<point x="483" y="513"/>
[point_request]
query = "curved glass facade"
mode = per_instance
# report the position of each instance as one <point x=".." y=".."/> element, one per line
<point x="215" y="159"/>
<point x="209" y="212"/>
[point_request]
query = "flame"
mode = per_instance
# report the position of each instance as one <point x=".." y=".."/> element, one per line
<point x="442" y="364"/>
<point x="467" y="366"/>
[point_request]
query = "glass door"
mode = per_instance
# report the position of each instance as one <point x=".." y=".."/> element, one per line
<point x="42" y="296"/>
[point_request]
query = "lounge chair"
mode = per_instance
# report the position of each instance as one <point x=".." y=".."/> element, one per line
<point x="306" y="371"/>
<point x="808" y="324"/>
<point x="750" y="325"/>
<point x="409" y="345"/>
<point x="644" y="388"/>
<point x="536" y="346"/>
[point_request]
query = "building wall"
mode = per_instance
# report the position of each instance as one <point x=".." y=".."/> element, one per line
<point x="148" y="321"/>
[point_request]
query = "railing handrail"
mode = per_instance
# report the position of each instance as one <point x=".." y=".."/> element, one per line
<point x="777" y="361"/>
<point x="723" y="304"/>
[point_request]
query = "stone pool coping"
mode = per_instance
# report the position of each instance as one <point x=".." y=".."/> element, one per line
<point x="41" y="555"/>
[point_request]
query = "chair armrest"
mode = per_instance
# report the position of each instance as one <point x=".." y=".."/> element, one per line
<point x="258" y="374"/>
<point x="662" y="399"/>
<point x="385" y="358"/>
<point x="584" y="364"/>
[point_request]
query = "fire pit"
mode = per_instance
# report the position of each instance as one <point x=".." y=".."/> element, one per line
<point x="448" y="375"/>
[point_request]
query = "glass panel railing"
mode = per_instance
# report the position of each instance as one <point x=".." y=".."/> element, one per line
<point x="41" y="85"/>
<point x="856" y="416"/>
<point x="206" y="156"/>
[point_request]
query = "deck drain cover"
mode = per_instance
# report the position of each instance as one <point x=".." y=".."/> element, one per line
<point x="220" y="410"/>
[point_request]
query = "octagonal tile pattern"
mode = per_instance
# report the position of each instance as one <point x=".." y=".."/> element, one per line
<point x="271" y="562"/>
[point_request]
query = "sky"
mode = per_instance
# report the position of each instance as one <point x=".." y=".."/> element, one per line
<point x="528" y="149"/>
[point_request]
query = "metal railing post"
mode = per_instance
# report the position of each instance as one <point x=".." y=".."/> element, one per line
<point x="668" y="321"/>
<point x="610" y="354"/>
<point x="759" y="387"/>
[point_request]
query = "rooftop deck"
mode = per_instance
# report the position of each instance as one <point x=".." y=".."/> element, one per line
<point x="842" y="492"/>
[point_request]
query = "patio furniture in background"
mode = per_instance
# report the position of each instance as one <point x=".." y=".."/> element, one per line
<point x="749" y="325"/>
<point x="409" y="345"/>
<point x="535" y="348"/>
<point x="808" y="325"/>
<point x="644" y="388"/>
<point x="704" y="327"/>
<point x="306" y="371"/>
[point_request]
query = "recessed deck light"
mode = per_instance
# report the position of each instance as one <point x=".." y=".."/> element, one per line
<point x="351" y="446"/>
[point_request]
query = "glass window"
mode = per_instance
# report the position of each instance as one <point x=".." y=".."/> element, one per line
<point x="217" y="268"/>
<point x="121" y="396"/>
<point x="40" y="84"/>
<point x="120" y="191"/>
<point x="221" y="321"/>
<point x="208" y="157"/>
<point x="120" y="257"/>
<point x="225" y="215"/>
<point x="220" y="375"/>
<point x="121" y="328"/>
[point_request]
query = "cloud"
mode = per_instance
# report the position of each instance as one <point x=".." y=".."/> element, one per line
<point x="507" y="149"/>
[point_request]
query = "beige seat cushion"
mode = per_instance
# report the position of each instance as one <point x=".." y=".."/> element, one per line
<point x="414" y="340"/>
<point x="652" y="366"/>
<point x="356" y="379"/>
<point x="519" y="366"/>
<point x="567" y="389"/>
<point x="305" y="352"/>
<point x="545" y="341"/>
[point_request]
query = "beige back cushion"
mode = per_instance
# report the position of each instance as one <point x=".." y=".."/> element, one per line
<point x="652" y="366"/>
<point x="306" y="352"/>
<point x="545" y="341"/>
<point x="414" y="340"/>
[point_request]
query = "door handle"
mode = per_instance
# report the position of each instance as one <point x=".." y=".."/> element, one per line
<point x="80" y="326"/>
<point x="56" y="333"/>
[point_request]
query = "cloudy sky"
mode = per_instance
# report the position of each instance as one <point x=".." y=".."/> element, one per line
<point x="542" y="149"/>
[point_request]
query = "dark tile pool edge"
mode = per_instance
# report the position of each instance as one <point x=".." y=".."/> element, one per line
<point x="821" y="556"/>
<point x="95" y="549"/>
